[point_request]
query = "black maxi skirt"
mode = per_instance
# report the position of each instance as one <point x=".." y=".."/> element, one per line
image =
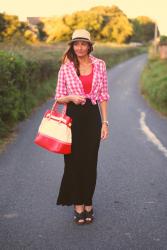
<point x="80" y="167"/>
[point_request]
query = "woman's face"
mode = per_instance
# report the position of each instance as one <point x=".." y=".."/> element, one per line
<point x="81" y="48"/>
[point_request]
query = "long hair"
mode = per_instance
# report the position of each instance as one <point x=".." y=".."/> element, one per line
<point x="71" y="56"/>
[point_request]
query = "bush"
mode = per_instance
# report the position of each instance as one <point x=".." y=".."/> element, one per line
<point x="154" y="84"/>
<point x="163" y="40"/>
<point x="20" y="81"/>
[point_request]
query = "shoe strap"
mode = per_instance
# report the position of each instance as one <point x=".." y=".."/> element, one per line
<point x="89" y="213"/>
<point x="79" y="215"/>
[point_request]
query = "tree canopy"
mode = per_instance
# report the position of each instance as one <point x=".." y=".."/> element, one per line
<point x="105" y="23"/>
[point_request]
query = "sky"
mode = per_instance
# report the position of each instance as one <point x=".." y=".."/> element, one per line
<point x="157" y="10"/>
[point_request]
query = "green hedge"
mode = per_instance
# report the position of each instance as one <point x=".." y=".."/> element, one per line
<point x="20" y="82"/>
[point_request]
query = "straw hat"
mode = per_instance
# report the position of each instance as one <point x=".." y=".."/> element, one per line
<point x="81" y="35"/>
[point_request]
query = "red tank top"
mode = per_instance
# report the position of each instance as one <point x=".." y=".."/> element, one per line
<point x="87" y="81"/>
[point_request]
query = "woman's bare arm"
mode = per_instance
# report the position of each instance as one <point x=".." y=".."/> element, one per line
<point x="64" y="99"/>
<point x="103" y="108"/>
<point x="71" y="98"/>
<point x="104" y="129"/>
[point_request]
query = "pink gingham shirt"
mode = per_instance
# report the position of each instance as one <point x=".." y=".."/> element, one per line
<point x="68" y="82"/>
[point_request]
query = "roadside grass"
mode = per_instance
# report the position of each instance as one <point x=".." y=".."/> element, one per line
<point x="154" y="84"/>
<point x="114" y="54"/>
<point x="111" y="53"/>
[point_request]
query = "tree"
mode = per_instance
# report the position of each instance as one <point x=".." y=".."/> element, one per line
<point x="9" y="24"/>
<point x="55" y="29"/>
<point x="104" y="23"/>
<point x="42" y="34"/>
<point x="90" y="20"/>
<point x="117" y="27"/>
<point x="143" y="29"/>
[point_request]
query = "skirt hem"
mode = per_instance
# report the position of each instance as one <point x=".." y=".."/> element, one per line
<point x="73" y="203"/>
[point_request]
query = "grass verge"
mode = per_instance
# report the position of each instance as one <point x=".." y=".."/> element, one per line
<point x="154" y="84"/>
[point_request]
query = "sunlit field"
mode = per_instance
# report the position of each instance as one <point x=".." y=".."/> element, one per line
<point x="43" y="51"/>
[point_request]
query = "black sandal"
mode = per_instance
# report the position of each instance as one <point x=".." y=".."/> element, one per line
<point x="78" y="217"/>
<point x="89" y="216"/>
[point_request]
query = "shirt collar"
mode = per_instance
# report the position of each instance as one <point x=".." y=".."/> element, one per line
<point x="93" y="59"/>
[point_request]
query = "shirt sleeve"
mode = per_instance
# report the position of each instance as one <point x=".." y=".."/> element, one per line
<point x="61" y="89"/>
<point x="104" y="94"/>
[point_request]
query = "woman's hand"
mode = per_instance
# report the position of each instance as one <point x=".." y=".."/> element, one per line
<point x="77" y="99"/>
<point x="104" y="131"/>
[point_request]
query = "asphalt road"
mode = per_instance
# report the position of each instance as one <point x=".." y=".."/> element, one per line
<point x="130" y="200"/>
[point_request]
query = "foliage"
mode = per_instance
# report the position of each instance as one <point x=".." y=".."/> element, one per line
<point x="55" y="29"/>
<point x="11" y="28"/>
<point x="42" y="34"/>
<point x="8" y="25"/>
<point x="117" y="26"/>
<point x="143" y="29"/>
<point x="163" y="40"/>
<point x="154" y="84"/>
<point x="20" y="81"/>
<point x="105" y="23"/>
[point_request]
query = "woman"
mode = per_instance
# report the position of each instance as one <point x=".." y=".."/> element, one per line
<point x="82" y="81"/>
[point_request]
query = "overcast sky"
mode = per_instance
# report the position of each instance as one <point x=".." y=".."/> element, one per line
<point x="156" y="10"/>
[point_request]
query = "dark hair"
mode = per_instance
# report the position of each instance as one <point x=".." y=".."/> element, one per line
<point x="70" y="55"/>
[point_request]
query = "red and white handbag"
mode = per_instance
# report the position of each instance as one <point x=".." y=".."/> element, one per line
<point x="54" y="133"/>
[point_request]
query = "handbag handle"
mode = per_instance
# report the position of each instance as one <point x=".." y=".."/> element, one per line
<point x="55" y="107"/>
